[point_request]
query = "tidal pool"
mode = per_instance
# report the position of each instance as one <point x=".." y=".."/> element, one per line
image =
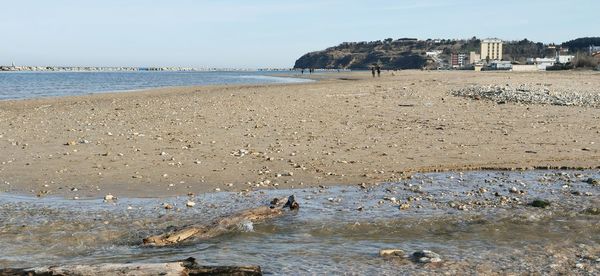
<point x="477" y="221"/>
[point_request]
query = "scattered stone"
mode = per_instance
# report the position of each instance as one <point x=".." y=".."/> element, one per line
<point x="539" y="203"/>
<point x="109" y="197"/>
<point x="190" y="203"/>
<point x="592" y="181"/>
<point x="167" y="206"/>
<point x="529" y="94"/>
<point x="391" y="253"/>
<point x="592" y="211"/>
<point x="426" y="256"/>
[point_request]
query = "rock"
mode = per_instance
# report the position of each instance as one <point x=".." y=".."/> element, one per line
<point x="109" y="197"/>
<point x="190" y="203"/>
<point x="539" y="203"/>
<point x="404" y="206"/>
<point x="426" y="256"/>
<point x="592" y="181"/>
<point x="391" y="252"/>
<point x="592" y="211"/>
<point x="167" y="206"/>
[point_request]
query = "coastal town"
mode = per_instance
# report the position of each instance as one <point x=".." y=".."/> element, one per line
<point x="490" y="57"/>
<point x="457" y="54"/>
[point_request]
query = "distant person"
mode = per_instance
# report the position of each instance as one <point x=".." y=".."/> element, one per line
<point x="302" y="71"/>
<point x="378" y="71"/>
<point x="373" y="71"/>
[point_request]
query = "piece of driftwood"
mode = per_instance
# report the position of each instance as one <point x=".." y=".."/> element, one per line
<point x="224" y="224"/>
<point x="178" y="268"/>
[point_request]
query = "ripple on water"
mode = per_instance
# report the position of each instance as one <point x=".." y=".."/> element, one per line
<point x="329" y="235"/>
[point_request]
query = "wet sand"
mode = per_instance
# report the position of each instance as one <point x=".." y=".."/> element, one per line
<point x="346" y="129"/>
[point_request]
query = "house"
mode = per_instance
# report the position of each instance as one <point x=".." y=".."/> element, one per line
<point x="564" y="58"/>
<point x="433" y="53"/>
<point x="458" y="60"/>
<point x="542" y="63"/>
<point x="474" y="57"/>
<point x="594" y="50"/>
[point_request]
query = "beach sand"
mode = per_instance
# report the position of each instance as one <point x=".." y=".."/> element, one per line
<point x="345" y="129"/>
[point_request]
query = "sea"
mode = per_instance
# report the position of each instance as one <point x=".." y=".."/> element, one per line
<point x="27" y="85"/>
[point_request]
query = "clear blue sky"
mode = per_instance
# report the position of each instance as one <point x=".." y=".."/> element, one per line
<point x="270" y="33"/>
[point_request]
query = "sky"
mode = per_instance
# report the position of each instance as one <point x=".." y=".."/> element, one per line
<point x="261" y="34"/>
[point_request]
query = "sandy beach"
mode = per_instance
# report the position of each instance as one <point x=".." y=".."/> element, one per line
<point x="345" y="129"/>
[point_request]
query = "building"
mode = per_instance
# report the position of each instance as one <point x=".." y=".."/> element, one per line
<point x="474" y="57"/>
<point x="433" y="53"/>
<point x="564" y="58"/>
<point x="594" y="50"/>
<point x="542" y="63"/>
<point x="524" y="68"/>
<point x="458" y="60"/>
<point x="491" y="49"/>
<point x="500" y="65"/>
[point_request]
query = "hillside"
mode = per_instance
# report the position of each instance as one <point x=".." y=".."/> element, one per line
<point x="408" y="53"/>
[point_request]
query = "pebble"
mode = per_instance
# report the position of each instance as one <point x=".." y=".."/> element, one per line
<point x="426" y="256"/>
<point x="529" y="94"/>
<point x="190" y="203"/>
<point x="391" y="252"/>
<point x="592" y="181"/>
<point x="540" y="203"/>
<point x="109" y="197"/>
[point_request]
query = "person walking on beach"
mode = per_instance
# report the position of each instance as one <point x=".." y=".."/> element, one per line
<point x="373" y="71"/>
<point x="378" y="71"/>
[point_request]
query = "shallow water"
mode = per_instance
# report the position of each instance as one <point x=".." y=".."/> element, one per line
<point x="328" y="234"/>
<point x="23" y="85"/>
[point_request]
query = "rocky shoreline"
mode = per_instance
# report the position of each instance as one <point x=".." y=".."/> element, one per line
<point x="531" y="94"/>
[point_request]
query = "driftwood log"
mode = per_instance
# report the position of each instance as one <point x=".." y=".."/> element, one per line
<point x="178" y="268"/>
<point x="225" y="224"/>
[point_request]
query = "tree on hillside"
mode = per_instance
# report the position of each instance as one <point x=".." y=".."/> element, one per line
<point x="581" y="44"/>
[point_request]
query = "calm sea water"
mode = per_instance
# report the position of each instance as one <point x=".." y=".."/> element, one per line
<point x="24" y="85"/>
